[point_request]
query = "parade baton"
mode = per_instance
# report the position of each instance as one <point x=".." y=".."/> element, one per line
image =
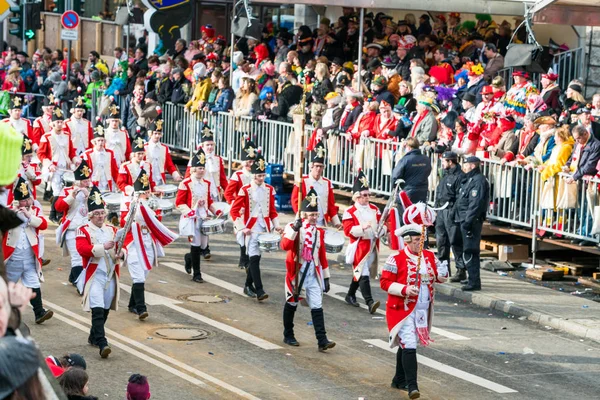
<point x="128" y="222"/>
<point x="299" y="120"/>
<point x="386" y="212"/>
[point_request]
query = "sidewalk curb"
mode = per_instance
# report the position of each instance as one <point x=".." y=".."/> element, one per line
<point x="490" y="302"/>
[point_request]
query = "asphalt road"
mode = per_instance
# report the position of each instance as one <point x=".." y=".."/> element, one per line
<point x="477" y="354"/>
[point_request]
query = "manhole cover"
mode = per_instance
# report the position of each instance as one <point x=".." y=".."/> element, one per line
<point x="206" y="298"/>
<point x="182" y="333"/>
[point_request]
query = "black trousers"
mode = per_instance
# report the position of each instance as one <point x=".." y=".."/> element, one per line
<point x="471" y="252"/>
<point x="448" y="236"/>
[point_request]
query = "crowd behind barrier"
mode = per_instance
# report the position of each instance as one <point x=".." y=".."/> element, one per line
<point x="515" y="191"/>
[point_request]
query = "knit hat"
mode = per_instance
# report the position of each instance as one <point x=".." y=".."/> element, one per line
<point x="18" y="363"/>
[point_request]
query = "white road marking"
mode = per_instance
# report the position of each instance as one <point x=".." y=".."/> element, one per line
<point x="428" y="362"/>
<point x="56" y="308"/>
<point x="172" y="304"/>
<point x="341" y="289"/>
<point x="124" y="347"/>
<point x="332" y="293"/>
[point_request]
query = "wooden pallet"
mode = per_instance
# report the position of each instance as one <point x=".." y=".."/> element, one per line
<point x="575" y="268"/>
<point x="546" y="273"/>
<point x="591" y="283"/>
<point x="486" y="245"/>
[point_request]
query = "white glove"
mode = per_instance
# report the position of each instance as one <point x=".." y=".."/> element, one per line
<point x="442" y="268"/>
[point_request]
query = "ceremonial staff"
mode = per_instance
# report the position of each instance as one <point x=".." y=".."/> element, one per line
<point x="299" y="122"/>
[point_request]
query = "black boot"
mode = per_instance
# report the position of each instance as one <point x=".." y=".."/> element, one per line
<point x="131" y="305"/>
<point x="365" y="288"/>
<point x="206" y="253"/>
<point x="195" y="252"/>
<point x="97" y="331"/>
<point x="318" y="319"/>
<point x="254" y="268"/>
<point x="288" y="325"/>
<point x="188" y="262"/>
<point x="409" y="362"/>
<point x="460" y="275"/>
<point x="399" y="381"/>
<point x="249" y="289"/>
<point x="140" y="300"/>
<point x="48" y="192"/>
<point x="40" y="313"/>
<point x="244" y="259"/>
<point x="351" y="296"/>
<point x="75" y="272"/>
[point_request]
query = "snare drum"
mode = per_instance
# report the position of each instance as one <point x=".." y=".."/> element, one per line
<point x="334" y="241"/>
<point x="268" y="242"/>
<point x="167" y="191"/>
<point x="113" y="201"/>
<point x="212" y="226"/>
<point x="166" y="207"/>
<point x="221" y="205"/>
<point x="68" y="178"/>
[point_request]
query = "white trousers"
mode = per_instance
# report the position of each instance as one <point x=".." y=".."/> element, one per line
<point x="57" y="182"/>
<point x="199" y="239"/>
<point x="136" y="267"/>
<point x="21" y="265"/>
<point x="408" y="331"/>
<point x="76" y="260"/>
<point x="314" y="293"/>
<point x="252" y="248"/>
<point x="100" y="295"/>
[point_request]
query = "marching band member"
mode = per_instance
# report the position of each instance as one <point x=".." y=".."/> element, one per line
<point x="29" y="171"/>
<point x="21" y="249"/>
<point x="314" y="271"/>
<point x="360" y="224"/>
<point x="130" y="170"/>
<point x="240" y="178"/>
<point x="56" y="153"/>
<point x="15" y="119"/>
<point x="144" y="243"/>
<point x="102" y="162"/>
<point x="408" y="278"/>
<point x="117" y="138"/>
<point x="194" y="201"/>
<point x="253" y="212"/>
<point x="79" y="128"/>
<point x="328" y="211"/>
<point x="43" y="124"/>
<point x="72" y="202"/>
<point x="159" y="156"/>
<point x="96" y="245"/>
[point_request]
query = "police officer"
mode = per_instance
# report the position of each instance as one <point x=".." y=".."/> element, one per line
<point x="471" y="206"/>
<point x="447" y="232"/>
<point x="414" y="168"/>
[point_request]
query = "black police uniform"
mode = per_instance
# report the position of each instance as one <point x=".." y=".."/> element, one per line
<point x="447" y="232"/>
<point x="471" y="206"/>
<point x="414" y="168"/>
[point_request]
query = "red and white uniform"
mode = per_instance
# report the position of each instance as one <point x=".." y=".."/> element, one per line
<point x="145" y="242"/>
<point x="236" y="181"/>
<point x="33" y="177"/>
<point x="313" y="285"/>
<point x="56" y="149"/>
<point x="104" y="168"/>
<point x="41" y="126"/>
<point x="98" y="264"/>
<point x="81" y="133"/>
<point x="75" y="211"/>
<point x="129" y="172"/>
<point x="190" y="192"/>
<point x="21" y="125"/>
<point x="358" y="252"/>
<point x="259" y="214"/>
<point x="159" y="156"/>
<point x="215" y="173"/>
<point x="328" y="211"/>
<point x="21" y="249"/>
<point x="117" y="140"/>
<point x="409" y="317"/>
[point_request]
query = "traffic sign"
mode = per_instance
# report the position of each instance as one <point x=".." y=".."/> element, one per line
<point x="69" y="34"/>
<point x="29" y="34"/>
<point x="5" y="6"/>
<point x="69" y="19"/>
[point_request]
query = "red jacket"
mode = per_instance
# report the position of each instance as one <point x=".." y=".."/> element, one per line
<point x="41" y="126"/>
<point x="89" y="157"/>
<point x="47" y="151"/>
<point x="185" y="193"/>
<point x="32" y="175"/>
<point x="89" y="251"/>
<point x="9" y="240"/>
<point x="69" y="124"/>
<point x="28" y="131"/>
<point x="289" y="243"/>
<point x="237" y="180"/>
<point x="360" y="243"/>
<point x="329" y="206"/>
<point x="241" y="221"/>
<point x="126" y="175"/>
